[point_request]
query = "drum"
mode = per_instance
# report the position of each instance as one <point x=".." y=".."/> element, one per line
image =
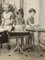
<point x="3" y="35"/>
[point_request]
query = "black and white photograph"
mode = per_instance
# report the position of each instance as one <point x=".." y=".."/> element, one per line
<point x="22" y="29"/>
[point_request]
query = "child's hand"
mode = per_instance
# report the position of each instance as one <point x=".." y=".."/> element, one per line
<point x="36" y="25"/>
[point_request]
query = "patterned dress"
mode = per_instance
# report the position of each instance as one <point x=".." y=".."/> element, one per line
<point x="7" y="20"/>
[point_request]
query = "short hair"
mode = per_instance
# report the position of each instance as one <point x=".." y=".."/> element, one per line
<point x="32" y="10"/>
<point x="20" y="11"/>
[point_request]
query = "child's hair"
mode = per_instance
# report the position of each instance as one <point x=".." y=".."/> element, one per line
<point x="32" y="10"/>
<point x="20" y="11"/>
<point x="11" y="8"/>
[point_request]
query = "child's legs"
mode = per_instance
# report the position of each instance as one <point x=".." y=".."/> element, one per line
<point x="33" y="38"/>
<point x="26" y="38"/>
<point x="9" y="47"/>
<point x="30" y="40"/>
<point x="16" y="41"/>
<point x="22" y="41"/>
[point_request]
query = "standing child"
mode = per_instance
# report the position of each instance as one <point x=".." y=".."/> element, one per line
<point x="19" y="24"/>
<point x="7" y="19"/>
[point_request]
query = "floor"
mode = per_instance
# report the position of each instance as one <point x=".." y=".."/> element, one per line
<point x="32" y="55"/>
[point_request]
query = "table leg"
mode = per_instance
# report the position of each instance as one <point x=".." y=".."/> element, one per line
<point x="13" y="50"/>
<point x="39" y="44"/>
<point x="18" y="47"/>
<point x="23" y="52"/>
<point x="8" y="44"/>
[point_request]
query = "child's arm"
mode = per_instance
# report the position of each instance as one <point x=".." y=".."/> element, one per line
<point x="32" y="25"/>
<point x="3" y="20"/>
<point x="11" y="18"/>
<point x="36" y="25"/>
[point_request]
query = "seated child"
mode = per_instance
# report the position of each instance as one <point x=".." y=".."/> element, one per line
<point x="30" y="25"/>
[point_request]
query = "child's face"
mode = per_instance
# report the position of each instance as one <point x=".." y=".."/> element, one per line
<point x="5" y="8"/>
<point x="19" y="16"/>
<point x="32" y="14"/>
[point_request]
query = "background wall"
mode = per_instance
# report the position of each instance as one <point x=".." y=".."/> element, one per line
<point x="42" y="15"/>
<point x="42" y="20"/>
<point x="14" y="2"/>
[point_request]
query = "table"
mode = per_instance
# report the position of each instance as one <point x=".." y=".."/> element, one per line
<point x="19" y="34"/>
<point x="38" y="31"/>
<point x="23" y="34"/>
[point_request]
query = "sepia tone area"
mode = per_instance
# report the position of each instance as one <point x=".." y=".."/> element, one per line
<point x="22" y="29"/>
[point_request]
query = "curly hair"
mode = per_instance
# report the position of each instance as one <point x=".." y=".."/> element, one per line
<point x="11" y="8"/>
